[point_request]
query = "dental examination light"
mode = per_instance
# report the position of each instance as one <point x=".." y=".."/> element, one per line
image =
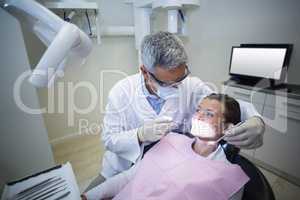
<point x="64" y="40"/>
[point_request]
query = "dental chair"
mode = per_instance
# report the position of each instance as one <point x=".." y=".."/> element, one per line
<point x="258" y="188"/>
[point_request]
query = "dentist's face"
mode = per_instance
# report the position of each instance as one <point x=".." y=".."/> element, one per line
<point x="211" y="111"/>
<point x="164" y="77"/>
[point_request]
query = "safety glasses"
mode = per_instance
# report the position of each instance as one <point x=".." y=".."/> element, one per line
<point x="172" y="83"/>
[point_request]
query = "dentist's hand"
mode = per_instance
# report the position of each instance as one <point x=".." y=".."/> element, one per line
<point x="154" y="130"/>
<point x="248" y="135"/>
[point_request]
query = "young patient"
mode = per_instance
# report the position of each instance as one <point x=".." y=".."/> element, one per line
<point x="179" y="167"/>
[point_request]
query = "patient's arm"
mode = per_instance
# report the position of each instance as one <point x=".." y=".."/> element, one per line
<point x="112" y="186"/>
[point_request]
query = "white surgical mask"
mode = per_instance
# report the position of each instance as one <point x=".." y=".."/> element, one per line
<point x="167" y="92"/>
<point x="202" y="129"/>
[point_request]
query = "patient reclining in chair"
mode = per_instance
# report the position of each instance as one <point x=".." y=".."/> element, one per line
<point x="184" y="168"/>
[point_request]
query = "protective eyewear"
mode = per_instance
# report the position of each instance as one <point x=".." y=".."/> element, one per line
<point x="172" y="83"/>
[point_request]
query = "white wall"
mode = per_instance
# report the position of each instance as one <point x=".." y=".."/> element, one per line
<point x="24" y="146"/>
<point x="115" y="53"/>
<point x="218" y="25"/>
<point x="213" y="28"/>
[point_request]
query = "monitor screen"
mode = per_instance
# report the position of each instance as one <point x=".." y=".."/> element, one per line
<point x="258" y="62"/>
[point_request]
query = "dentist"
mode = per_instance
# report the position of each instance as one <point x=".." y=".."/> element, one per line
<point x="142" y="108"/>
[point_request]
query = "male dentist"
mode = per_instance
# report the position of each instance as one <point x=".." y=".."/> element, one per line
<point x="142" y="108"/>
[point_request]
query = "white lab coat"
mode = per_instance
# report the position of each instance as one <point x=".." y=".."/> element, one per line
<point x="127" y="110"/>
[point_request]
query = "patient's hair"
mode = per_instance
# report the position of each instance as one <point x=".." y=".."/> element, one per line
<point x="232" y="112"/>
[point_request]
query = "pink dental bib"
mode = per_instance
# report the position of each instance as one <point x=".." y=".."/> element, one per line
<point x="171" y="170"/>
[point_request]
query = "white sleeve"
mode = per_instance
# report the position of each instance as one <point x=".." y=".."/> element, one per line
<point x="112" y="186"/>
<point x="115" y="137"/>
<point x="247" y="110"/>
<point x="238" y="195"/>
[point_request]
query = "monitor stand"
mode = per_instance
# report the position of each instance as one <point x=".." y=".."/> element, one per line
<point x="278" y="86"/>
<point x="245" y="81"/>
<point x="259" y="82"/>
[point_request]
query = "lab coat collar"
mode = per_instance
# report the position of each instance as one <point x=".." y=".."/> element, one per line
<point x="147" y="110"/>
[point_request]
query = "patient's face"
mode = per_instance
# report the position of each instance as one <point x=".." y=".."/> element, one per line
<point x="211" y="111"/>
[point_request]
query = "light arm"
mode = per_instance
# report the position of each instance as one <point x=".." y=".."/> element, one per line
<point x="45" y="34"/>
<point x="63" y="39"/>
<point x="54" y="55"/>
<point x="37" y="12"/>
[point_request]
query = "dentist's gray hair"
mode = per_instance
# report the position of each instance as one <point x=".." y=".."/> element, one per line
<point x="163" y="49"/>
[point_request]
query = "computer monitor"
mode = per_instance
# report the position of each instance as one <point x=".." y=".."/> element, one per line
<point x="259" y="61"/>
